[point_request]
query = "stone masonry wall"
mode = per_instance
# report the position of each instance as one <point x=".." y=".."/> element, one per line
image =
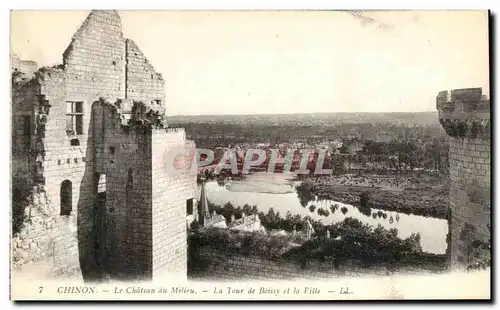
<point x="95" y="59"/>
<point x="470" y="174"/>
<point x="123" y="156"/>
<point x="27" y="67"/>
<point x="143" y="82"/>
<point x="88" y="74"/>
<point x="465" y="116"/>
<point x="170" y="194"/>
<point x="24" y="98"/>
<point x="95" y="65"/>
<point x="227" y="266"/>
<point x="53" y="236"/>
<point x="47" y="236"/>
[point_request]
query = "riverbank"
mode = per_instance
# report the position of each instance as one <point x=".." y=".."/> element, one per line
<point x="432" y="230"/>
<point x="265" y="183"/>
<point x="429" y="201"/>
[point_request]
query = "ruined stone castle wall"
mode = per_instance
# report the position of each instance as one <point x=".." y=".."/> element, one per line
<point x="24" y="98"/>
<point x="219" y="265"/>
<point x="57" y="164"/>
<point x="170" y="194"/>
<point x="125" y="160"/>
<point x="143" y="82"/>
<point x="129" y="203"/>
<point x="95" y="59"/>
<point x="465" y="116"/>
<point x="51" y="235"/>
<point x="27" y="67"/>
<point x="88" y="74"/>
<point x="15" y="62"/>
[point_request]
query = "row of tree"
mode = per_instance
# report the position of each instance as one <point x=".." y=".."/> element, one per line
<point x="212" y="135"/>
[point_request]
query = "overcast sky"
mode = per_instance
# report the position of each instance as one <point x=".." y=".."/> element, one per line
<point x="288" y="62"/>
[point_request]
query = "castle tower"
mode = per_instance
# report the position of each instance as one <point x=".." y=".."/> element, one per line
<point x="465" y="116"/>
<point x="90" y="143"/>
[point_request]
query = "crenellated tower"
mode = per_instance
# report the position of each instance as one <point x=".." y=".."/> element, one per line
<point x="465" y="116"/>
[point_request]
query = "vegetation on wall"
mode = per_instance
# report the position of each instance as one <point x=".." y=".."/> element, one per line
<point x="350" y="240"/>
<point x="21" y="199"/>
<point x="478" y="255"/>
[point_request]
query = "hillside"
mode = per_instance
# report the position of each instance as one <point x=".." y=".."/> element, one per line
<point x="417" y="118"/>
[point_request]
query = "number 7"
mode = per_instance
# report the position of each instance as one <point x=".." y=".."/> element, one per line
<point x="40" y="288"/>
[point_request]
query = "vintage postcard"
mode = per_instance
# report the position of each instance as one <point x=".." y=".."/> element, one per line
<point x="250" y="155"/>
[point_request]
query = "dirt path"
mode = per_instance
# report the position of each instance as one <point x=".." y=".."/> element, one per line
<point x="43" y="270"/>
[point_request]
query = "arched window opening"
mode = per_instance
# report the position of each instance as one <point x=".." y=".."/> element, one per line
<point x="101" y="186"/>
<point x="66" y="197"/>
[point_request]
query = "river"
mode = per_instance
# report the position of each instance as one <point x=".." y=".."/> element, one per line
<point x="277" y="191"/>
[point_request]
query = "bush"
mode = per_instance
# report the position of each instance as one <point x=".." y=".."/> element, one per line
<point x="195" y="226"/>
<point x="247" y="243"/>
<point x="358" y="241"/>
<point x="323" y="212"/>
